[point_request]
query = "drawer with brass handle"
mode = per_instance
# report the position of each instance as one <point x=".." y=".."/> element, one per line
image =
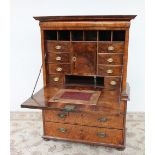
<point x="85" y="118"/>
<point x="54" y="46"/>
<point x="55" y="79"/>
<point x="84" y="133"/>
<point x="110" y="59"/>
<point x="112" y="82"/>
<point x="110" y="47"/>
<point x="107" y="70"/>
<point x="58" y="57"/>
<point x="59" y="68"/>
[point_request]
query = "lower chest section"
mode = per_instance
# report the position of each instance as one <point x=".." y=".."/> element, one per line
<point x="87" y="127"/>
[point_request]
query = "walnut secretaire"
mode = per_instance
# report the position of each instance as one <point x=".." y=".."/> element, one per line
<point x="85" y="93"/>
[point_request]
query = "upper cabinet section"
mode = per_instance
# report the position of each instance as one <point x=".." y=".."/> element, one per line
<point x="85" y="22"/>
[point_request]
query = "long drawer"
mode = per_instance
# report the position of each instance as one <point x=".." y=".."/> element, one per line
<point x="83" y="133"/>
<point x="83" y="118"/>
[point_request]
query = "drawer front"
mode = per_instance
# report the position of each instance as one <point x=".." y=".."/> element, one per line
<point x="83" y="118"/>
<point x="110" y="47"/>
<point x="58" y="57"/>
<point x="55" y="79"/>
<point x="83" y="133"/>
<point x="110" y="59"/>
<point x="52" y="46"/>
<point x="59" y="68"/>
<point x="112" y="82"/>
<point x="109" y="70"/>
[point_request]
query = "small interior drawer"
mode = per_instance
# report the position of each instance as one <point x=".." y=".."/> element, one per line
<point x="55" y="46"/>
<point x="59" y="68"/>
<point x="84" y="133"/>
<point x="110" y="47"/>
<point x="55" y="79"/>
<point x="107" y="70"/>
<point x="110" y="59"/>
<point x="58" y="57"/>
<point x="112" y="82"/>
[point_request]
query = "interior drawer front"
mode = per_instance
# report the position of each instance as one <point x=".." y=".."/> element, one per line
<point x="55" y="79"/>
<point x="110" y="59"/>
<point x="59" y="68"/>
<point x="112" y="82"/>
<point x="110" y="47"/>
<point x="109" y="70"/>
<point x="83" y="118"/>
<point x="58" y="57"/>
<point x="83" y="133"/>
<point x="53" y="46"/>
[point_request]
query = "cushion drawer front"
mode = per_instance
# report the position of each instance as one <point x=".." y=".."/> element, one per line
<point x="58" y="57"/>
<point x="112" y="82"/>
<point x="84" y="133"/>
<point x="109" y="70"/>
<point x="55" y="79"/>
<point x="110" y="59"/>
<point x="59" y="68"/>
<point x="83" y="118"/>
<point x="54" y="46"/>
<point x="106" y="47"/>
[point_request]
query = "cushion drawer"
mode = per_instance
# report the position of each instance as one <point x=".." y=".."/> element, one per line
<point x="109" y="70"/>
<point x="83" y="133"/>
<point x="110" y="59"/>
<point x="54" y="46"/>
<point x="112" y="82"/>
<point x="59" y="68"/>
<point x="58" y="57"/>
<point x="83" y="118"/>
<point x="55" y="79"/>
<point x="106" y="47"/>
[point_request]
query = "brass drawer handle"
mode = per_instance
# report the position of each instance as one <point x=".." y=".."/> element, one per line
<point x="58" y="47"/>
<point x="103" y="119"/>
<point x="110" y="60"/>
<point x="58" y="69"/>
<point x="109" y="71"/>
<point x="62" y="130"/>
<point x="56" y="79"/>
<point x="62" y="115"/>
<point x="110" y="48"/>
<point x="69" y="108"/>
<point x="101" y="134"/>
<point x="113" y="83"/>
<point x="58" y="58"/>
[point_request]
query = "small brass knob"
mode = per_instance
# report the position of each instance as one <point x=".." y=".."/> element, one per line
<point x="58" y="69"/>
<point x="56" y="79"/>
<point x="58" y="58"/>
<point x="113" y="83"/>
<point x="110" y="60"/>
<point x="109" y="71"/>
<point x="110" y="48"/>
<point x="58" y="47"/>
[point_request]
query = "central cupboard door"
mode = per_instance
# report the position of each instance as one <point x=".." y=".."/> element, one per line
<point x="84" y="58"/>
